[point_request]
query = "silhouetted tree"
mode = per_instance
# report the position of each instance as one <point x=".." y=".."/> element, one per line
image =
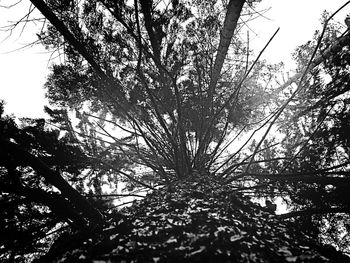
<point x="162" y="92"/>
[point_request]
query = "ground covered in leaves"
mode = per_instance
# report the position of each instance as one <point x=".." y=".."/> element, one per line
<point x="196" y="220"/>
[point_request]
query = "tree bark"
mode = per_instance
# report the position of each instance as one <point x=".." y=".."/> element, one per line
<point x="314" y="211"/>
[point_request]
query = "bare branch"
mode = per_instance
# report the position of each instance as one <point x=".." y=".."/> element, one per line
<point x="234" y="9"/>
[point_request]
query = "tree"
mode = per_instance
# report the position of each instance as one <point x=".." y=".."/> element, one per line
<point x="162" y="88"/>
<point x="35" y="196"/>
<point x="175" y="136"/>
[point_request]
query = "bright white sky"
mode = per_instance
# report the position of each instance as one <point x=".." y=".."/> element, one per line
<point x="23" y="73"/>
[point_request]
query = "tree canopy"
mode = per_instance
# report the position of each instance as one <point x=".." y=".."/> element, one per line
<point x="165" y="98"/>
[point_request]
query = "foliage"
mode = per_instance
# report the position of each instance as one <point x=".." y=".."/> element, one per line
<point x="316" y="143"/>
<point x="36" y="201"/>
<point x="156" y="95"/>
<point x="157" y="84"/>
<point x="198" y="220"/>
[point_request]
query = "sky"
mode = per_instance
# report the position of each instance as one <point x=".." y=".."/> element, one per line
<point x="23" y="72"/>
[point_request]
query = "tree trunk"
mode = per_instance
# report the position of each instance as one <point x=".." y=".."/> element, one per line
<point x="234" y="9"/>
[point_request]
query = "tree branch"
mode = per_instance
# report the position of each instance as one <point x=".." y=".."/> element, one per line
<point x="234" y="9"/>
<point x="60" y="26"/>
<point x="53" y="178"/>
<point x="146" y="6"/>
<point x="334" y="48"/>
